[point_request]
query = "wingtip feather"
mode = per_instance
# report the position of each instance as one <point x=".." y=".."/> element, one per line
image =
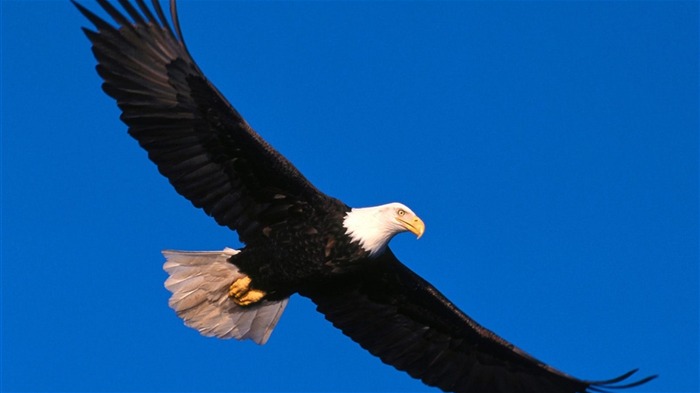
<point x="614" y="383"/>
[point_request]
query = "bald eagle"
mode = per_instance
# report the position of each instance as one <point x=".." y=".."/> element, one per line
<point x="297" y="239"/>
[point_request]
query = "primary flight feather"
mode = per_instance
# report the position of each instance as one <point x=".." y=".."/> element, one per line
<point x="297" y="239"/>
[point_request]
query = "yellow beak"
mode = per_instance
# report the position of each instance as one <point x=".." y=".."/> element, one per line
<point x="414" y="225"/>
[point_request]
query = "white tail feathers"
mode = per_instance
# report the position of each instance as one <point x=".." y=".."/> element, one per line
<point x="200" y="282"/>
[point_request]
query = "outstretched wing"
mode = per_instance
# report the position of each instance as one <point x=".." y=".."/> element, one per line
<point x="402" y="319"/>
<point x="196" y="138"/>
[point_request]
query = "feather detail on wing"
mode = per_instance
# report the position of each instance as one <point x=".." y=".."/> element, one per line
<point x="202" y="145"/>
<point x="402" y="319"/>
<point x="199" y="282"/>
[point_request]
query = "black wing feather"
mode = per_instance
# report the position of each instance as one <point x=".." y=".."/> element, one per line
<point x="402" y="319"/>
<point x="197" y="139"/>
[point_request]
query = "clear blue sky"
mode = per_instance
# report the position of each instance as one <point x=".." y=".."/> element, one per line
<point x="550" y="147"/>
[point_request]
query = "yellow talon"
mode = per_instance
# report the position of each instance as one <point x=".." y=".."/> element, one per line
<point x="241" y="292"/>
<point x="239" y="287"/>
<point x="252" y="296"/>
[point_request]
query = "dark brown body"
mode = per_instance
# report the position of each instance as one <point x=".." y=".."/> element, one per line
<point x="301" y="247"/>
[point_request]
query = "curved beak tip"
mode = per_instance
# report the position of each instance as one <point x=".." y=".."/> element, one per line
<point x="415" y="226"/>
<point x="419" y="228"/>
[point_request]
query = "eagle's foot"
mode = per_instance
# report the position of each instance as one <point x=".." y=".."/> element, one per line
<point x="241" y="292"/>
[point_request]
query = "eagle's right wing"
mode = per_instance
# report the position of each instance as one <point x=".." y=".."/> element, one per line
<point x="196" y="138"/>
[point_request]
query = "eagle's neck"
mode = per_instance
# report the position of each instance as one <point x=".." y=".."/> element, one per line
<point x="369" y="227"/>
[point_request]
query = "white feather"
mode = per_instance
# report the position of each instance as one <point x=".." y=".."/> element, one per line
<point x="374" y="226"/>
<point x="199" y="282"/>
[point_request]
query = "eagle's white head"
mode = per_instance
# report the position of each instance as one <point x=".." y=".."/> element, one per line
<point x="373" y="227"/>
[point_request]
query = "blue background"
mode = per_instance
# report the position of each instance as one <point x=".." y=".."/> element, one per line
<point x="550" y="147"/>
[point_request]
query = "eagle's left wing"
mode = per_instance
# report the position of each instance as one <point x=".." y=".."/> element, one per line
<point x="402" y="319"/>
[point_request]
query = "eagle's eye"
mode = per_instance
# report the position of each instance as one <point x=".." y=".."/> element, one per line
<point x="401" y="212"/>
